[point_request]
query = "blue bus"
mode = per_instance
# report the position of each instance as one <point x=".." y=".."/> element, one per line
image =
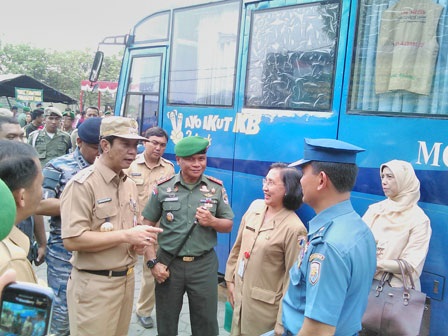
<point x="256" y="77"/>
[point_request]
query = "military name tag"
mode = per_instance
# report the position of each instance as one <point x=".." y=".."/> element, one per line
<point x="104" y="200"/>
<point x="171" y="199"/>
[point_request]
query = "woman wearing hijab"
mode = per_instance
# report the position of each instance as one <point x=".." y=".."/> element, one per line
<point x="265" y="249"/>
<point x="401" y="228"/>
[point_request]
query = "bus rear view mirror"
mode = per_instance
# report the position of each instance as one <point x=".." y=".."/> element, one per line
<point x="96" y="67"/>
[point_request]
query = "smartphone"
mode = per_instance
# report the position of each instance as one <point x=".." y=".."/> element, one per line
<point x="25" y="309"/>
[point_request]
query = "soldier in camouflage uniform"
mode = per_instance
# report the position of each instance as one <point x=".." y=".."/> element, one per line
<point x="56" y="175"/>
<point x="50" y="142"/>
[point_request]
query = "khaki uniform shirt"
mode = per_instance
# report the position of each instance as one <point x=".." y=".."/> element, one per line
<point x="146" y="178"/>
<point x="272" y="248"/>
<point x="49" y="148"/>
<point x="408" y="240"/>
<point x="13" y="251"/>
<point x="175" y="204"/>
<point x="92" y="197"/>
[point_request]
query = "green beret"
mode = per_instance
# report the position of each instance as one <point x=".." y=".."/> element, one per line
<point x="107" y="112"/>
<point x="190" y="145"/>
<point x="7" y="210"/>
<point x="68" y="113"/>
<point x="26" y="109"/>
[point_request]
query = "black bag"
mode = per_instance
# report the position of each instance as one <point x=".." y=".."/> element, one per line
<point x="396" y="310"/>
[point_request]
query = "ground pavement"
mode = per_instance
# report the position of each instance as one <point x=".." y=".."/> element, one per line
<point x="136" y="329"/>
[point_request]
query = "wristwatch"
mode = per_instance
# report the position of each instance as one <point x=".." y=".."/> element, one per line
<point x="151" y="263"/>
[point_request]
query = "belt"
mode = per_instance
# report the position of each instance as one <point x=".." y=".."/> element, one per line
<point x="189" y="258"/>
<point x="111" y="273"/>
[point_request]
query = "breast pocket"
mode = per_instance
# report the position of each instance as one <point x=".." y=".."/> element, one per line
<point x="171" y="206"/>
<point x="102" y="213"/>
<point x="41" y="149"/>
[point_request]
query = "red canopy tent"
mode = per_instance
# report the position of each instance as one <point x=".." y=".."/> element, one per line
<point x="109" y="87"/>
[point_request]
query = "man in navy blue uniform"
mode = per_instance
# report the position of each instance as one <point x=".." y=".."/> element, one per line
<point x="330" y="282"/>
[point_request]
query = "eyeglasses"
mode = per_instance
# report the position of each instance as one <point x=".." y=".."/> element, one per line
<point x="156" y="143"/>
<point x="270" y="183"/>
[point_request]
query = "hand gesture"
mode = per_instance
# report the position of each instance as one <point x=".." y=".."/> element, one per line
<point x="204" y="217"/>
<point x="160" y="272"/>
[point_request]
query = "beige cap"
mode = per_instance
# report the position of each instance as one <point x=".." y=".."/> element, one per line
<point x="6" y="113"/>
<point x="52" y="110"/>
<point x="121" y="127"/>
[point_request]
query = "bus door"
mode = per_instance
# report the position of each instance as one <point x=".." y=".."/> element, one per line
<point x="141" y="94"/>
<point x="291" y="74"/>
<point x="395" y="106"/>
<point x="200" y="88"/>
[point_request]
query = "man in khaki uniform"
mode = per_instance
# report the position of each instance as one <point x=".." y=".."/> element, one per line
<point x="21" y="172"/>
<point x="148" y="168"/>
<point x="99" y="213"/>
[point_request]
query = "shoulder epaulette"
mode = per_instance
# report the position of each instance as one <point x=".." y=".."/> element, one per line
<point x="165" y="179"/>
<point x="82" y="176"/>
<point x="214" y="179"/>
<point x="168" y="161"/>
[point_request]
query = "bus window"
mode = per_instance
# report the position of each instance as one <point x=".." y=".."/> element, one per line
<point x="203" y="56"/>
<point x="153" y="28"/>
<point x="399" y="60"/>
<point x="142" y="97"/>
<point x="292" y="57"/>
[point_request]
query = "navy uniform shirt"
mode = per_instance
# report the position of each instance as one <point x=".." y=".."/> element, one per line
<point x="330" y="281"/>
<point x="57" y="173"/>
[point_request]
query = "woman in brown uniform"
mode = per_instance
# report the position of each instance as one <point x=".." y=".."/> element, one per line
<point x="265" y="249"/>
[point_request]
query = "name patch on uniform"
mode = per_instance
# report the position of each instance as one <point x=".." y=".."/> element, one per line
<point x="314" y="272"/>
<point x="316" y="256"/>
<point x="171" y="199"/>
<point x="136" y="174"/>
<point x="104" y="200"/>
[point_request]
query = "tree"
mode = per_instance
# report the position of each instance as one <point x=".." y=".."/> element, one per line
<point x="62" y="71"/>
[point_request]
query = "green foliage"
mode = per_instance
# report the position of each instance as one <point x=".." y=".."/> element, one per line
<point x="63" y="71"/>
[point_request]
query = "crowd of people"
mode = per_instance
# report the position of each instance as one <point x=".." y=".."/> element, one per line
<point x="107" y="204"/>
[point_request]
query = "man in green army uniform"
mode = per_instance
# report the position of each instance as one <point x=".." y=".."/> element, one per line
<point x="50" y="142"/>
<point x="187" y="199"/>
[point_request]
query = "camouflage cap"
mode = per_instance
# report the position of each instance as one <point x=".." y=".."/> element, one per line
<point x="191" y="145"/>
<point x="7" y="210"/>
<point x="52" y="110"/>
<point x="120" y="127"/>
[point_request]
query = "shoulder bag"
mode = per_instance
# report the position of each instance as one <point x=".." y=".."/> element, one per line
<point x="396" y="310"/>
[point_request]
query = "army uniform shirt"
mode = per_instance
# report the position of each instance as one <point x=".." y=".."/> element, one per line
<point x="49" y="148"/>
<point x="331" y="279"/>
<point x="146" y="178"/>
<point x="175" y="203"/>
<point x="94" y="196"/>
